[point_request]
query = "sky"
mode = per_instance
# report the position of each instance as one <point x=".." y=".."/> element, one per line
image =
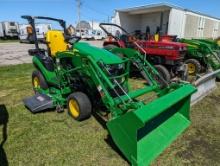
<point x="97" y="10"/>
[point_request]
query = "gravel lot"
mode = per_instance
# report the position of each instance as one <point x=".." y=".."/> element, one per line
<point x="17" y="53"/>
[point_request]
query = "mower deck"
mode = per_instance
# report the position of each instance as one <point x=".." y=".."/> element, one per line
<point x="38" y="103"/>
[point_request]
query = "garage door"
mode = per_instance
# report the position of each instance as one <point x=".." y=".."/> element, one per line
<point x="208" y="29"/>
<point x="191" y="26"/>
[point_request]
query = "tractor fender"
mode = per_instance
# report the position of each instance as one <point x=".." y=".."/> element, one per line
<point x="48" y="75"/>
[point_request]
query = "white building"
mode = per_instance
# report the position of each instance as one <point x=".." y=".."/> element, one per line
<point x="94" y="25"/>
<point x="171" y="19"/>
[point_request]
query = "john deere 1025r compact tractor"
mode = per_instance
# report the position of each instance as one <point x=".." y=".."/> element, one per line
<point x="201" y="56"/>
<point x="82" y="77"/>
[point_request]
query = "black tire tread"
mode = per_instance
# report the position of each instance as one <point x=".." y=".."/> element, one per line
<point x="84" y="104"/>
<point x="196" y="63"/>
<point x="163" y="72"/>
<point x="43" y="83"/>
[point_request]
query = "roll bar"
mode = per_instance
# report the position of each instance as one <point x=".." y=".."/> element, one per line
<point x="31" y="21"/>
<point x="101" y="25"/>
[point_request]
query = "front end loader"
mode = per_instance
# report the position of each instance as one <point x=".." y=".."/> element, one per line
<point x="212" y="43"/>
<point x="204" y="64"/>
<point x="200" y="56"/>
<point x="82" y="77"/>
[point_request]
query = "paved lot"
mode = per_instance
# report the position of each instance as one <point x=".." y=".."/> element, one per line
<point x="16" y="53"/>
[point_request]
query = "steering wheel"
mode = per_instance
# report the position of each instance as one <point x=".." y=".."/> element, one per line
<point x="72" y="39"/>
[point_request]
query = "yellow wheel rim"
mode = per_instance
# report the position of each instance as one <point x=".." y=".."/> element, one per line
<point x="218" y="42"/>
<point x="74" y="108"/>
<point x="191" y="68"/>
<point x="36" y="82"/>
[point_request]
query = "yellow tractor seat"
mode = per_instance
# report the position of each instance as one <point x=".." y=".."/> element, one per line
<point x="56" y="42"/>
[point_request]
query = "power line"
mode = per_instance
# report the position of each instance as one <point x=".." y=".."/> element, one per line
<point x="95" y="10"/>
<point x="87" y="17"/>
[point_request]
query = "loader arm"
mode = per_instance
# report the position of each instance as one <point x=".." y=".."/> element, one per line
<point x="146" y="69"/>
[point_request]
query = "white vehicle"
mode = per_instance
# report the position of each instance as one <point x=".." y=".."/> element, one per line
<point x="98" y="35"/>
<point x="88" y="35"/>
<point x="82" y="33"/>
<point x="23" y="36"/>
<point x="93" y="35"/>
<point x="41" y="30"/>
<point x="10" y="29"/>
<point x="1" y="31"/>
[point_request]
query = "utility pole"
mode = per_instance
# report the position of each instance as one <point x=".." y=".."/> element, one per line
<point x="79" y="3"/>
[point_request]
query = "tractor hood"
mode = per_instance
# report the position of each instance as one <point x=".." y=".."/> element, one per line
<point x="190" y="43"/>
<point x="97" y="53"/>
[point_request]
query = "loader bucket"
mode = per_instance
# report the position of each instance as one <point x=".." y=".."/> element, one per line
<point x="143" y="134"/>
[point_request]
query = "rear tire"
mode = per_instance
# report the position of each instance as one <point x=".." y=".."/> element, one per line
<point x="38" y="80"/>
<point x="194" y="66"/>
<point x="163" y="72"/>
<point x="79" y="106"/>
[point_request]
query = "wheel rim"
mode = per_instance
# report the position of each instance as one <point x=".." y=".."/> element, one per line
<point x="36" y="82"/>
<point x="191" y="68"/>
<point x="74" y="108"/>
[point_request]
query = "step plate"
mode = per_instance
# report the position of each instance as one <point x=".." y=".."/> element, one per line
<point x="38" y="103"/>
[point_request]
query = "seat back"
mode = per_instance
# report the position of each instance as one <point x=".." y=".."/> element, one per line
<point x="56" y="42"/>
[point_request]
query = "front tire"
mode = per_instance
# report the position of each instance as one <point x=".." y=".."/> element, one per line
<point x="79" y="106"/>
<point x="38" y="81"/>
<point x="163" y="72"/>
<point x="194" y="66"/>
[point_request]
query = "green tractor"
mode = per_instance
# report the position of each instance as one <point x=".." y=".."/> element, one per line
<point x="212" y="43"/>
<point x="89" y="80"/>
<point x="200" y="57"/>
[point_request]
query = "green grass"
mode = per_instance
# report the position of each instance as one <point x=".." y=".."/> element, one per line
<point x="55" y="139"/>
<point x="9" y="41"/>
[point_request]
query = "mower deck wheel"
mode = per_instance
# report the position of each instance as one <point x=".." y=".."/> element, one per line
<point x="38" y="80"/>
<point x="79" y="106"/>
<point x="194" y="66"/>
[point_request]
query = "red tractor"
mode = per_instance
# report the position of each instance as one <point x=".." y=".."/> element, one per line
<point x="167" y="56"/>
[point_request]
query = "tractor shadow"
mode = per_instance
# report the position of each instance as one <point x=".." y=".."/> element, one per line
<point x="109" y="139"/>
<point x="4" y="117"/>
